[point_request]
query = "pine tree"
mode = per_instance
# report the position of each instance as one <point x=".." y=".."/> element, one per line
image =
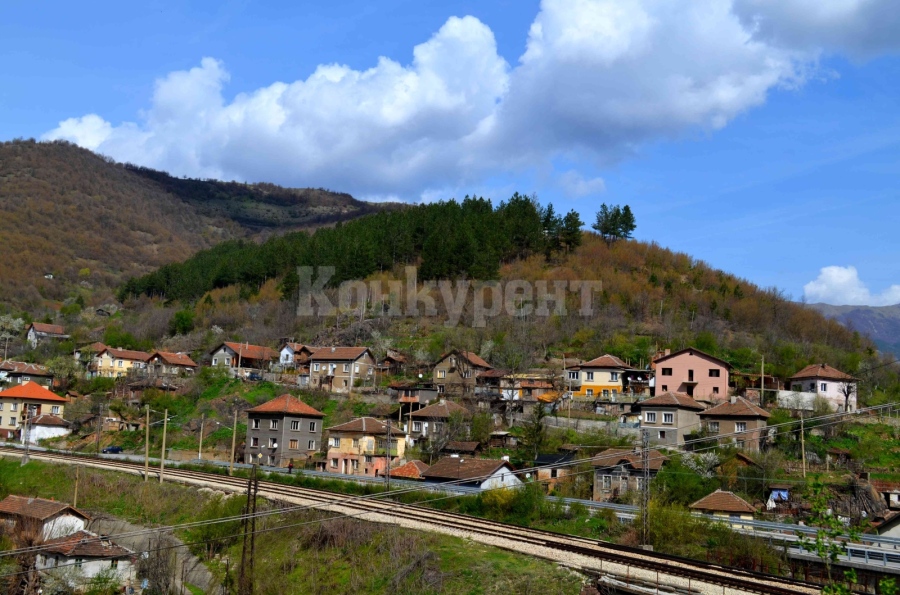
<point x="571" y="230"/>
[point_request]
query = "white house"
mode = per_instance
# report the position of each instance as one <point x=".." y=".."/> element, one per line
<point x="89" y="554"/>
<point x="45" y="426"/>
<point x="57" y="518"/>
<point x="38" y="331"/>
<point x="486" y="474"/>
<point x="820" y="380"/>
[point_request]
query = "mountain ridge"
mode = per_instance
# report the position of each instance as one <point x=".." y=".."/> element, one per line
<point x="880" y="323"/>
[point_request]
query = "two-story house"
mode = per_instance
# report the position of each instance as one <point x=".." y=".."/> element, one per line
<point x="619" y="470"/>
<point x="242" y="358"/>
<point x="55" y="519"/>
<point x="39" y="331"/>
<point x="295" y="355"/>
<point x="20" y="372"/>
<point x="25" y="401"/>
<point x="669" y="417"/>
<point x="599" y="378"/>
<point x="166" y="363"/>
<point x="282" y="430"/>
<point x="737" y="421"/>
<point x="455" y="372"/>
<point x="485" y="474"/>
<point x="339" y="369"/>
<point x="694" y="373"/>
<point x="116" y="363"/>
<point x="822" y="380"/>
<point x="434" y="419"/>
<point x="360" y="447"/>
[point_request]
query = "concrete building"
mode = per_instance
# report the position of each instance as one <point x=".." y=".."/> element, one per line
<point x="694" y="373"/>
<point x="45" y="426"/>
<point x="116" y="363"/>
<point x="669" y="417"/>
<point x="339" y="369"/>
<point x="23" y="401"/>
<point x="282" y="430"/>
<point x="739" y="421"/>
<point x="242" y="358"/>
<point x="432" y="420"/>
<point x="166" y="363"/>
<point x="455" y="372"/>
<point x="88" y="554"/>
<point x="12" y="373"/>
<point x="599" y="378"/>
<point x="820" y="380"/>
<point x="40" y="331"/>
<point x="486" y="474"/>
<point x="359" y="447"/>
<point x="56" y="519"/>
<point x="618" y="471"/>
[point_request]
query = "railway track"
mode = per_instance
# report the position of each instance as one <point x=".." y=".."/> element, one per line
<point x="640" y="570"/>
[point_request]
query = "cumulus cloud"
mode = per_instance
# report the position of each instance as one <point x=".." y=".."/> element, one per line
<point x="840" y="286"/>
<point x="597" y="78"/>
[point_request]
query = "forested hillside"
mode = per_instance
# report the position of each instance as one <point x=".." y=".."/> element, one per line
<point x="90" y="222"/>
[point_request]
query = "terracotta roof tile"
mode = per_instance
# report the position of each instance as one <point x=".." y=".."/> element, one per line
<point x="24" y="368"/>
<point x="411" y="470"/>
<point x="605" y="361"/>
<point x="722" y="501"/>
<point x="47" y="419"/>
<point x="472" y="358"/>
<point x="617" y="456"/>
<point x="257" y="352"/>
<point x="338" y="354"/>
<point x="287" y="404"/>
<point x="175" y="359"/>
<point x="440" y="411"/>
<point x="364" y="425"/>
<point x="35" y="508"/>
<point x="50" y="329"/>
<point x="740" y="408"/>
<point x="451" y="468"/>
<point x="671" y="399"/>
<point x="32" y="391"/>
<point x="84" y="544"/>
<point x="462" y="446"/>
<point x="138" y="356"/>
<point x="692" y="351"/>
<point x="821" y="371"/>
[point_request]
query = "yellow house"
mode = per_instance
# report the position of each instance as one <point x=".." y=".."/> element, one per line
<point x="359" y="447"/>
<point x="113" y="363"/>
<point x="27" y="400"/>
<point x="599" y="378"/>
<point x="725" y="505"/>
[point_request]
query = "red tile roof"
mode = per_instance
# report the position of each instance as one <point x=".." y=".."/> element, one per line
<point x="84" y="544"/>
<point x="821" y="371"/>
<point x="255" y="352"/>
<point x="36" y="508"/>
<point x="461" y="446"/>
<point x="472" y="358"/>
<point x="24" y="368"/>
<point x="287" y="404"/>
<point x="175" y="359"/>
<point x="340" y="354"/>
<point x="50" y="329"/>
<point x="450" y="468"/>
<point x="95" y="347"/>
<point x="32" y="391"/>
<point x="440" y="411"/>
<point x="130" y="354"/>
<point x="671" y="399"/>
<point x="605" y="361"/>
<point x="617" y="456"/>
<point x="740" y="408"/>
<point x="692" y="351"/>
<point x="47" y="419"/>
<point x="492" y="373"/>
<point x="411" y="470"/>
<point x="364" y="425"/>
<point x="722" y="501"/>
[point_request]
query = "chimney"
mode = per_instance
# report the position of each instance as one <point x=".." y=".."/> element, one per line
<point x="733" y="399"/>
<point x="454" y="456"/>
<point x="333" y="349"/>
<point x="505" y="458"/>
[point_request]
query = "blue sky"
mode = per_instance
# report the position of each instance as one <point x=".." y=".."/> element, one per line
<point x="762" y="137"/>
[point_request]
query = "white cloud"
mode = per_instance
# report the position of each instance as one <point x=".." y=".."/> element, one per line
<point x="840" y="286"/>
<point x="597" y="78"/>
<point x="575" y="186"/>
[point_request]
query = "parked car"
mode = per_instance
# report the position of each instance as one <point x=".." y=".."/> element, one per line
<point x="254" y="376"/>
<point x="112" y="450"/>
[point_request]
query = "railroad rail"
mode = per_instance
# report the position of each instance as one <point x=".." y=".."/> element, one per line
<point x="629" y="569"/>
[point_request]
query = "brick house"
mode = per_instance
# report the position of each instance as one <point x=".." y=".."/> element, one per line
<point x="165" y="363"/>
<point x="669" y="417"/>
<point x="359" y="447"/>
<point x="240" y="358"/>
<point x="38" y="331"/>
<point x="619" y="470"/>
<point x="339" y="369"/>
<point x="55" y="518"/>
<point x="12" y="373"/>
<point x="455" y="372"/>
<point x="694" y="373"/>
<point x="486" y="474"/>
<point x="295" y="355"/>
<point x="432" y="420"/>
<point x="552" y="468"/>
<point x="116" y="363"/>
<point x="23" y="401"/>
<point x="737" y="416"/>
<point x="282" y="430"/>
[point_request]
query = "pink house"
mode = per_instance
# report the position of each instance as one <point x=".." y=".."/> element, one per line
<point x="694" y="373"/>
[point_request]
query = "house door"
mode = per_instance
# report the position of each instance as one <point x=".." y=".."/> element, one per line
<point x="344" y="466"/>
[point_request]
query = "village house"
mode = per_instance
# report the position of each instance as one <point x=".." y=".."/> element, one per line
<point x="90" y="555"/>
<point x="431" y="421"/>
<point x="669" y="417"/>
<point x="724" y="504"/>
<point x="359" y="447"/>
<point x="295" y="355"/>
<point x="116" y="363"/>
<point x="12" y="373"/>
<point x="23" y="401"/>
<point x="738" y="422"/>
<point x="38" y="331"/>
<point x="455" y="372"/>
<point x="56" y="519"/>
<point x="694" y="373"/>
<point x="619" y="470"/>
<point x="165" y="363"/>
<point x="85" y="353"/>
<point x="242" y="358"/>
<point x="411" y="470"/>
<point x="393" y="364"/>
<point x="469" y="448"/>
<point x="552" y="468"/>
<point x="412" y="395"/>
<point x="599" y="378"/>
<point x="485" y="474"/>
<point x="46" y="426"/>
<point x="282" y="430"/>
<point x="339" y="369"/>
<point x="820" y="380"/>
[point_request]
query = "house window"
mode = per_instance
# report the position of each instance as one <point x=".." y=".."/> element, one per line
<point x="294" y="444"/>
<point x="356" y="368"/>
<point x="623" y="482"/>
<point x="354" y="464"/>
<point x="346" y="367"/>
<point x="442" y="373"/>
<point x="668" y="418"/>
<point x="273" y="442"/>
<point x="14" y="407"/>
<point x="739" y="443"/>
<point x="1" y="406"/>
<point x="714" y="372"/>
<point x="311" y="445"/>
<point x="662" y="435"/>
<point x="78" y="562"/>
<point x="713" y="427"/>
<point x="113" y="563"/>
<point x="369" y="459"/>
<point x="467" y="374"/>
<point x="345" y="384"/>
<point x="254" y="442"/>
<point x="356" y="443"/>
<point x="615" y="392"/>
<point x="650" y="417"/>
<point x="605" y="393"/>
<point x="336" y="442"/>
<point x="664" y="387"/>
<point x="589" y="392"/>
<point x="215" y="361"/>
<point x="256" y="424"/>
<point x="589" y="376"/>
<point x="334" y="463"/>
<point x="55" y="410"/>
<point x="667" y="371"/>
<point x="614" y="376"/>
<point x="119" y="363"/>
<point x="315" y="367"/>
<point x="295" y="424"/>
<point x="312" y="426"/>
<point x="12" y="421"/>
<point x="824" y="387"/>
<point x="573" y="375"/>
<point x="607" y="482"/>
<point x="640" y="483"/>
<point x="554" y="473"/>
<point x="440" y="388"/>
<point x="273" y="424"/>
<point x="417" y="426"/>
<point x="715" y="390"/>
<point x="740" y="426"/>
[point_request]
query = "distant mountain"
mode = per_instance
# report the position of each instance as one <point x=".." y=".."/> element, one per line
<point x="881" y="324"/>
<point x="90" y="223"/>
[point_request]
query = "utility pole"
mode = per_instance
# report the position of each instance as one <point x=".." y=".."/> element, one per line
<point x="147" y="444"/>
<point x="200" y="448"/>
<point x="645" y="488"/>
<point x="802" y="444"/>
<point x="75" y="496"/>
<point x="99" y="424"/>
<point x="162" y="458"/>
<point x="762" y="381"/>
<point x="233" y="438"/>
<point x="248" y="549"/>
<point x="25" y="434"/>
<point x="387" y="458"/>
